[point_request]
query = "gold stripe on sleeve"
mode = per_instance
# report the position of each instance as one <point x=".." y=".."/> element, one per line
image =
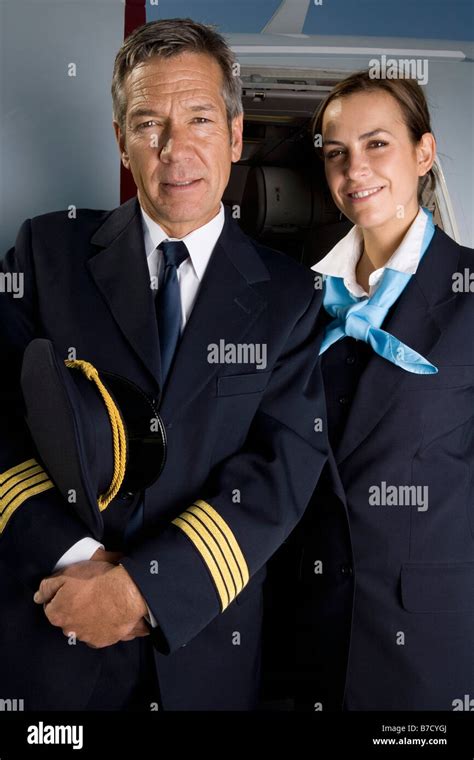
<point x="207" y="556"/>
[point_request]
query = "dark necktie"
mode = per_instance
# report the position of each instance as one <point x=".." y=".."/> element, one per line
<point x="168" y="315"/>
<point x="168" y="302"/>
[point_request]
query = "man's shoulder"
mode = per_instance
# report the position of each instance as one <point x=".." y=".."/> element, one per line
<point x="282" y="264"/>
<point x="83" y="219"/>
<point x="74" y="229"/>
<point x="288" y="279"/>
<point x="281" y="268"/>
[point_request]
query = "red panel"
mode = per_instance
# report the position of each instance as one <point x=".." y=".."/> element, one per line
<point x="135" y="15"/>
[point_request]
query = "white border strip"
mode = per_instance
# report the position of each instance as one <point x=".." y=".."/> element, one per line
<point x="445" y="206"/>
<point x="305" y="49"/>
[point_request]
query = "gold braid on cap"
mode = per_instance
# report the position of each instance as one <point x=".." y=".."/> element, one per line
<point x="118" y="431"/>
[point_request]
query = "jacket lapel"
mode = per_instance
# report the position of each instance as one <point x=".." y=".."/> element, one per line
<point x="226" y="307"/>
<point x="417" y="319"/>
<point x="121" y="273"/>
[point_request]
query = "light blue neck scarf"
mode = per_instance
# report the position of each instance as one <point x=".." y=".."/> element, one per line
<point x="361" y="318"/>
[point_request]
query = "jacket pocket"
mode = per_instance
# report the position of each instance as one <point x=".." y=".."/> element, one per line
<point x="449" y="376"/>
<point x="437" y="587"/>
<point x="232" y="385"/>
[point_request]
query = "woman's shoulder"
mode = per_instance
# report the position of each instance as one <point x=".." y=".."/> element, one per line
<point x="442" y="239"/>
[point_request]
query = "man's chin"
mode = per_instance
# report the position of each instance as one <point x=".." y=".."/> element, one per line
<point x="184" y="210"/>
<point x="179" y="220"/>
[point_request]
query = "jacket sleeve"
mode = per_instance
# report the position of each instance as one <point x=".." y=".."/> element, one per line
<point x="210" y="552"/>
<point x="36" y="524"/>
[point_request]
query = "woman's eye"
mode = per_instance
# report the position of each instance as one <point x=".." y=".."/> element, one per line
<point x="333" y="154"/>
<point x="377" y="144"/>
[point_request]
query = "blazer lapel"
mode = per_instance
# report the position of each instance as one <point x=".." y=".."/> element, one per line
<point x="417" y="319"/>
<point x="226" y="307"/>
<point x="120" y="272"/>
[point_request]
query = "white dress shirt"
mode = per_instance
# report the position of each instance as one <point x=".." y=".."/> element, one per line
<point x="200" y="244"/>
<point x="342" y="260"/>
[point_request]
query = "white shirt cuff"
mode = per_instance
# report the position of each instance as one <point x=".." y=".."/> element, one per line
<point x="151" y="618"/>
<point x="80" y="551"/>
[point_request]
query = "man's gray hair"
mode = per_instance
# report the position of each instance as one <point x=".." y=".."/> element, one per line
<point x="167" y="38"/>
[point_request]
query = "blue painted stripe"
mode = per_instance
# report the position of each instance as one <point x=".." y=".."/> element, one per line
<point x="425" y="19"/>
<point x="230" y="16"/>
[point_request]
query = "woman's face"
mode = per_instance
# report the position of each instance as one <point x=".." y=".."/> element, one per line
<point x="372" y="166"/>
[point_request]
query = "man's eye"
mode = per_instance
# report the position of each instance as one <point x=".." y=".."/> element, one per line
<point x="146" y="124"/>
<point x="201" y="120"/>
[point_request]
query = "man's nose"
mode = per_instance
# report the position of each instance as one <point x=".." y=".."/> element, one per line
<point x="175" y="143"/>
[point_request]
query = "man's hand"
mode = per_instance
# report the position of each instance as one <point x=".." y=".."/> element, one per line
<point x="95" y="600"/>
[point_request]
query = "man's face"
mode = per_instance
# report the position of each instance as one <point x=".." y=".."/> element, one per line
<point x="177" y="142"/>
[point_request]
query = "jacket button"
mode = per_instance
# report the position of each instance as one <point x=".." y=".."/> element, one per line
<point x="346" y="570"/>
<point x="350" y="360"/>
<point x="344" y="400"/>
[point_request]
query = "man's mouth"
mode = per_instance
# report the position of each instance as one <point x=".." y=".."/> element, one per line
<point x="184" y="183"/>
<point x="361" y="194"/>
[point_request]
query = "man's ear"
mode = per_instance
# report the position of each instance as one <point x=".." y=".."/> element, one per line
<point x="236" y="137"/>
<point x="120" y="137"/>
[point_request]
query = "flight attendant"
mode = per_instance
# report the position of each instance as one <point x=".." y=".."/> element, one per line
<point x="379" y="575"/>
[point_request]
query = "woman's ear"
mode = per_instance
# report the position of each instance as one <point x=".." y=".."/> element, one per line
<point x="425" y="153"/>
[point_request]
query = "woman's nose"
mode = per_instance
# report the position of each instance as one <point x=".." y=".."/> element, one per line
<point x="356" y="165"/>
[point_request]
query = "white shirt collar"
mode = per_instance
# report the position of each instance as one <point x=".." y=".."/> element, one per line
<point x="342" y="260"/>
<point x="200" y="242"/>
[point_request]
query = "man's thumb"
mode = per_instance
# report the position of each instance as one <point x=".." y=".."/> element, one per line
<point x="48" y="588"/>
